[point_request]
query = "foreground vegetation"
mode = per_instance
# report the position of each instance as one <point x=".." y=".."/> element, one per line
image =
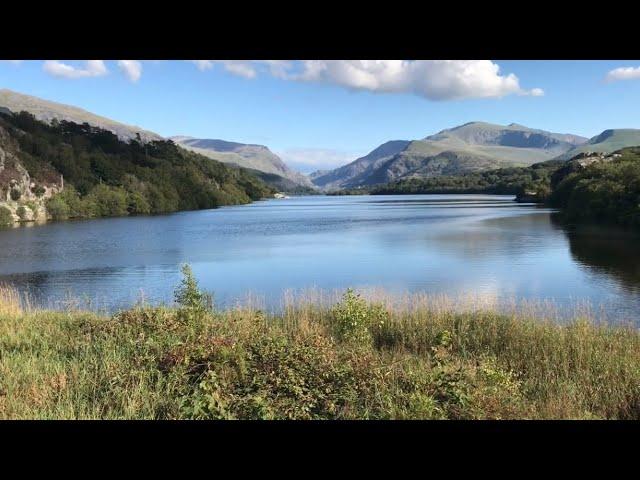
<point x="355" y="360"/>
<point x="105" y="176"/>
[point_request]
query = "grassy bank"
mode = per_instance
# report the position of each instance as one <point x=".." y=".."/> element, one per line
<point x="355" y="360"/>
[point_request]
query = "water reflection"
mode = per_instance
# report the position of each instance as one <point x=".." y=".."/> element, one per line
<point x="440" y="244"/>
<point x="605" y="251"/>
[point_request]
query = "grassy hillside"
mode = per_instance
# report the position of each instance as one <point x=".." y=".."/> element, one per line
<point x="355" y="360"/>
<point x="105" y="176"/>
<point x="254" y="157"/>
<point x="608" y="141"/>
<point x="46" y="111"/>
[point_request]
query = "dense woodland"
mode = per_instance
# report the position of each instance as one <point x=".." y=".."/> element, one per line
<point x="503" y="181"/>
<point x="105" y="176"/>
<point x="602" y="192"/>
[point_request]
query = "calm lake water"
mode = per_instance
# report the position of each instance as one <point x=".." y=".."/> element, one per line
<point x="454" y="244"/>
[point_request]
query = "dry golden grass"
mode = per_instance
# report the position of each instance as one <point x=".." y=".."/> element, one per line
<point x="12" y="302"/>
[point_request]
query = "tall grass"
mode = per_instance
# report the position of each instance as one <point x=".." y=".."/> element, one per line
<point x="321" y="356"/>
<point x="12" y="302"/>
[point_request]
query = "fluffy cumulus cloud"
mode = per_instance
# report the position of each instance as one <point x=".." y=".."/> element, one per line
<point x="623" y="73"/>
<point x="307" y="160"/>
<point x="131" y="68"/>
<point x="90" y="68"/>
<point x="432" y="79"/>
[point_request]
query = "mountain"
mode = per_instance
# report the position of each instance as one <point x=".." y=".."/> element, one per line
<point x="254" y="157"/>
<point x="282" y="184"/>
<point x="361" y="168"/>
<point x="45" y="110"/>
<point x="607" y="142"/>
<point x="66" y="169"/>
<point x="472" y="147"/>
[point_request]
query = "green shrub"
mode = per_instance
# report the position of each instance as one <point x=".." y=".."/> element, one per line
<point x="57" y="208"/>
<point x="274" y="377"/>
<point x="6" y="218"/>
<point x="193" y="303"/>
<point x="22" y="212"/>
<point x="137" y="204"/>
<point x="109" y="201"/>
<point x="355" y="318"/>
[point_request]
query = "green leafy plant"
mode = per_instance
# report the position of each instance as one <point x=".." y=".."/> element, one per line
<point x="5" y="217"/>
<point x="22" y="212"/>
<point x="355" y="319"/>
<point x="193" y="303"/>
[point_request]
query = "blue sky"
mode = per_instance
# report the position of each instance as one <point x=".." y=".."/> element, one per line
<point x="320" y="114"/>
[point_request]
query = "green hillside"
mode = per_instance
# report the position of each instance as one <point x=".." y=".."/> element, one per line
<point x="46" y="111"/>
<point x="104" y="176"/>
<point x="607" y="142"/>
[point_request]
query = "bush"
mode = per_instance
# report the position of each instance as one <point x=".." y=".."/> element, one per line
<point x="355" y="318"/>
<point x="57" y="208"/>
<point x="109" y="201"/>
<point x="39" y="191"/>
<point x="193" y="303"/>
<point x="6" y="218"/>
<point x="137" y="204"/>
<point x="274" y="377"/>
<point x="22" y="212"/>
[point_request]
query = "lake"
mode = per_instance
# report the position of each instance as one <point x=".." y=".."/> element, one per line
<point x="484" y="245"/>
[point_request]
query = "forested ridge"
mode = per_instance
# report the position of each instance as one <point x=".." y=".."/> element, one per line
<point x="105" y="176"/>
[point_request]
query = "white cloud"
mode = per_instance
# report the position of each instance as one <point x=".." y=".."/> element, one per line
<point x="92" y="68"/>
<point x="432" y="79"/>
<point x="241" y="68"/>
<point x="204" y="64"/>
<point x="278" y="68"/>
<point x="307" y="160"/>
<point x="623" y="73"/>
<point x="131" y="68"/>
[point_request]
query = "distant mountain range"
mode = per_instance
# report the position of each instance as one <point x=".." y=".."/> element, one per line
<point x="474" y="146"/>
<point x="254" y="157"/>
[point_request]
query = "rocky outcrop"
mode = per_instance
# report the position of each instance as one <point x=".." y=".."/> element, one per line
<point x="21" y="196"/>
